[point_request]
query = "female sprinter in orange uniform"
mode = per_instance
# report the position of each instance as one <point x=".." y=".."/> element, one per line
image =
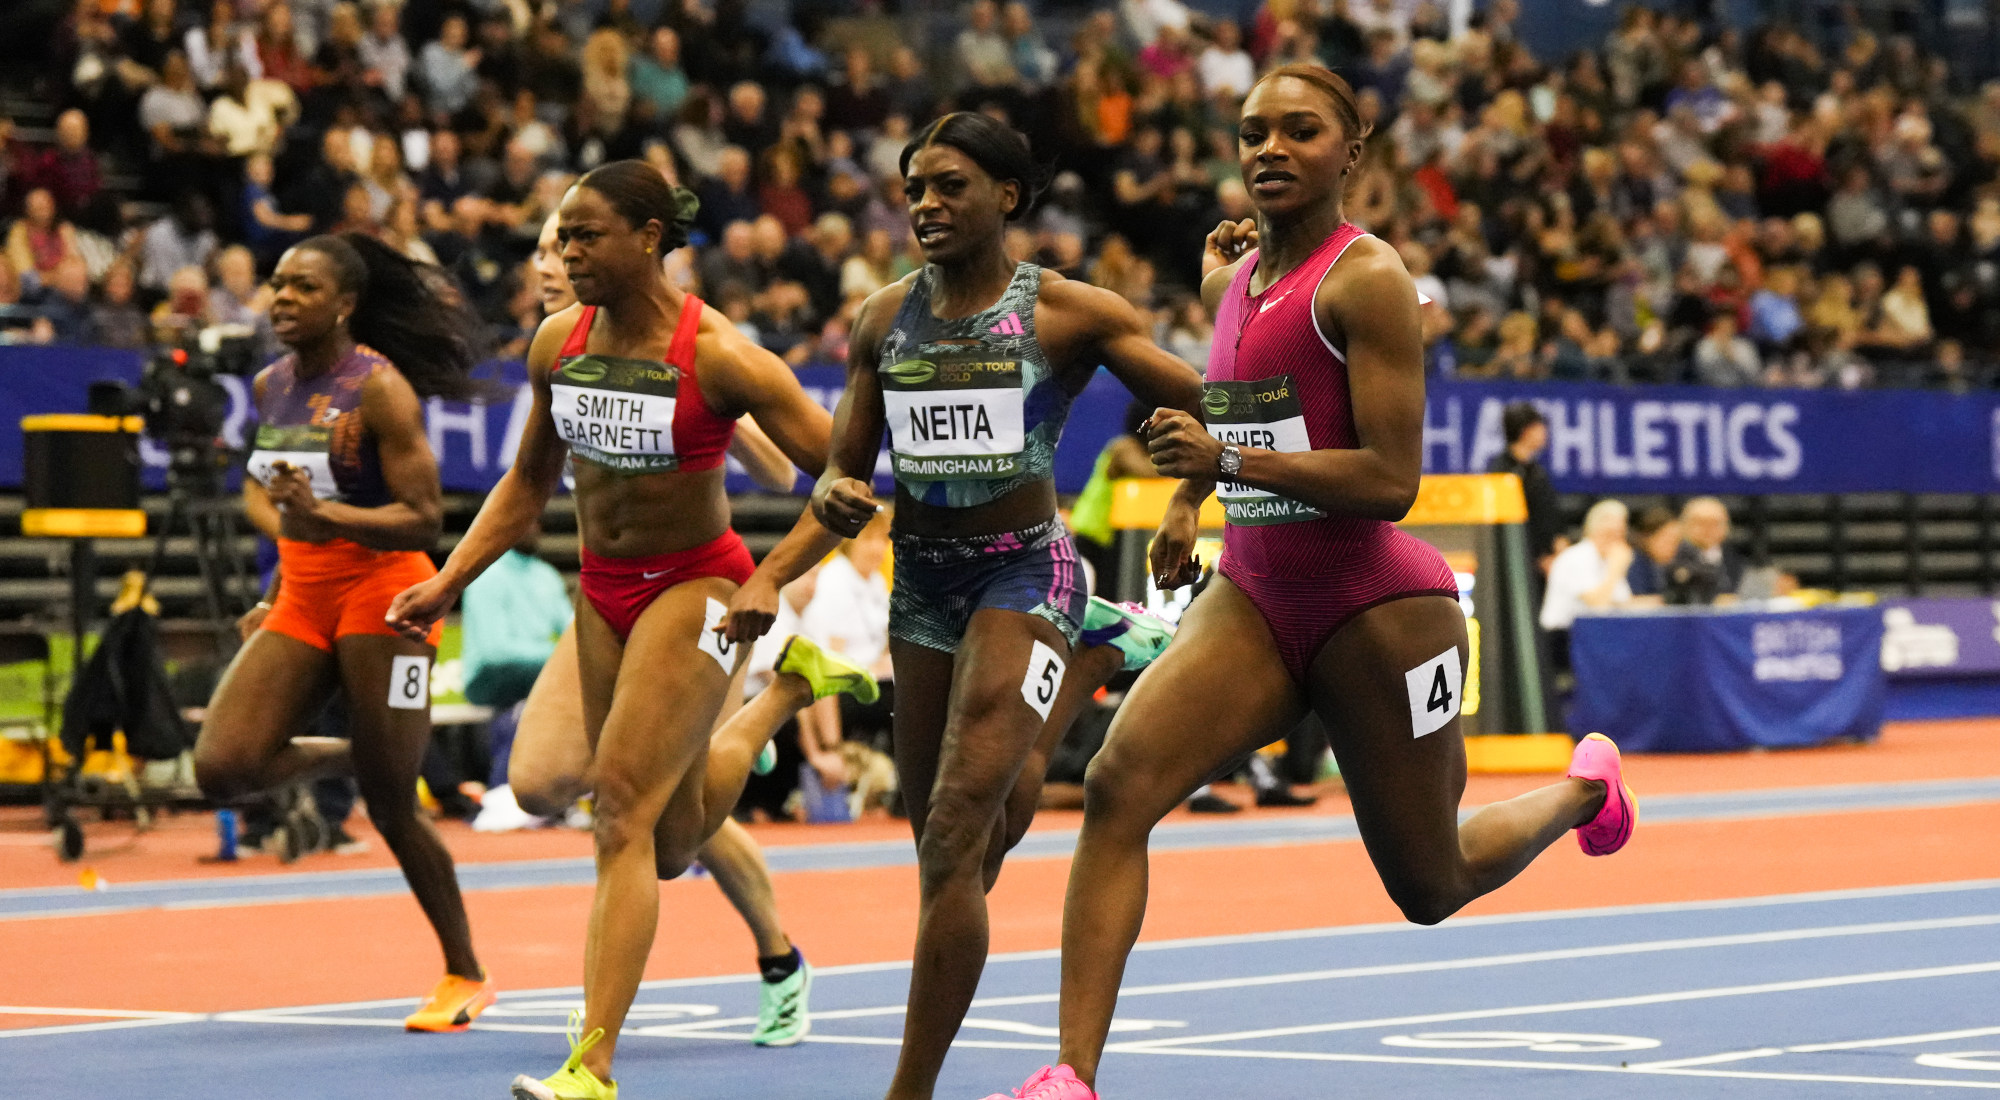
<point x="645" y="396"/>
<point x="342" y="457"/>
<point x="1315" y="406"/>
<point x="970" y="364"/>
<point x="551" y="764"/>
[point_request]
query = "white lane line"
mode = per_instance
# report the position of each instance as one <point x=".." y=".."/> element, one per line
<point x="1674" y="997"/>
<point x="105" y="1019"/>
<point x="113" y="1013"/>
<point x="1573" y="1067"/>
<point x="1821" y="1048"/>
<point x="1712" y="1059"/>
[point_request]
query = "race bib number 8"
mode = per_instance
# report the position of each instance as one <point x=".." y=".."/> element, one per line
<point x="1435" y="692"/>
<point x="1265" y="414"/>
<point x="409" y="683"/>
<point x="954" y="419"/>
<point x="1044" y="679"/>
<point x="713" y="643"/>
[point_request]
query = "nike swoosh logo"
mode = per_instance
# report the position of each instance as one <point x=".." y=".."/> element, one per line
<point x="1266" y="307"/>
<point x="656" y="576"/>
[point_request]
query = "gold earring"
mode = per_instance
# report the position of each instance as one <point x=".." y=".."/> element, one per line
<point x="649" y="251"/>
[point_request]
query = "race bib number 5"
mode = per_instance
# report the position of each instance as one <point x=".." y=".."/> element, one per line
<point x="1044" y="679"/>
<point x="1265" y="414"/>
<point x="713" y="643"/>
<point x="954" y="419"/>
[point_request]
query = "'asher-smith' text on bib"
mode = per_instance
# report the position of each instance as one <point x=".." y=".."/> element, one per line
<point x="617" y="413"/>
<point x="954" y="417"/>
<point x="1263" y="413"/>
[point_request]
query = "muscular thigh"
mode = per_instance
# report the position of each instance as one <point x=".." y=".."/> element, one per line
<point x="551" y="756"/>
<point x="1372" y="684"/>
<point x="923" y="700"/>
<point x="1009" y="668"/>
<point x="665" y="694"/>
<point x="266" y="696"/>
<point x="387" y="683"/>
<point x="1219" y="691"/>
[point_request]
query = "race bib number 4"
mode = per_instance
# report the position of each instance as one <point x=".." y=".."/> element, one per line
<point x="1265" y="414"/>
<point x="1435" y="691"/>
<point x="617" y="413"/>
<point x="954" y="419"/>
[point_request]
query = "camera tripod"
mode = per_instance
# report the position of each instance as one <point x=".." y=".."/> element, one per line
<point x="199" y="508"/>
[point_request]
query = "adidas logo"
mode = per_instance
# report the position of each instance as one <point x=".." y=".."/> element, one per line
<point x="1009" y="327"/>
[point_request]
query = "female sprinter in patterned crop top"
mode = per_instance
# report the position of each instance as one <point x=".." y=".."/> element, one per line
<point x="342" y="461"/>
<point x="970" y="364"/>
<point x="1314" y="407"/>
<point x="645" y="396"/>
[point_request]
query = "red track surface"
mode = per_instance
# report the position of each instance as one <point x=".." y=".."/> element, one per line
<point x="325" y="951"/>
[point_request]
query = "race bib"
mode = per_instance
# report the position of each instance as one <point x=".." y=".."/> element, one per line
<point x="617" y="413"/>
<point x="1264" y="414"/>
<point x="1436" y="692"/>
<point x="713" y="643"/>
<point x="304" y="446"/>
<point x="954" y="418"/>
<point x="409" y="683"/>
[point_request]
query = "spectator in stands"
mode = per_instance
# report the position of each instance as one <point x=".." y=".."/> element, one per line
<point x="1705" y="531"/>
<point x="984" y="64"/>
<point x="385" y="55"/>
<point x="1034" y="63"/>
<point x="40" y="240"/>
<point x="747" y="120"/>
<point x="70" y="171"/>
<point x="1657" y="535"/>
<point x="1723" y="358"/>
<point x="267" y="229"/>
<point x="248" y="117"/>
<point x="115" y="319"/>
<point x="19" y="324"/>
<point x="1590" y="576"/>
<point x="66" y="302"/>
<point x="173" y="113"/>
<point x="814" y="262"/>
<point x="212" y="46"/>
<point x="656" y="75"/>
<point x="858" y="98"/>
<point x="183" y="313"/>
<point x="1906" y="318"/>
<point x="780" y="193"/>
<point x="911" y="93"/>
<point x="1225" y="67"/>
<point x="148" y="39"/>
<point x="236" y="297"/>
<point x="184" y="238"/>
<point x="1527" y="433"/>
<point x="727" y="196"/>
<point x="448" y="68"/>
<point x="278" y="50"/>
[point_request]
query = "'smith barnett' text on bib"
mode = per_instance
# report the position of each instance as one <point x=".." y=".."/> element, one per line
<point x="954" y="418"/>
<point x="617" y="413"/>
<point x="1263" y="413"/>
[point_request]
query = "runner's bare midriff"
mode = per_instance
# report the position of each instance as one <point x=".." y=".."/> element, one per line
<point x="633" y="515"/>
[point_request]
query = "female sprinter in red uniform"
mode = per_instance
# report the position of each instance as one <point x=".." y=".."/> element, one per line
<point x="551" y="763"/>
<point x="645" y="396"/>
<point x="1315" y="405"/>
<point x="970" y="364"/>
<point x="342" y="457"/>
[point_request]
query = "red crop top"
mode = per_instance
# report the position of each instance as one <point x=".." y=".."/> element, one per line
<point x="630" y="415"/>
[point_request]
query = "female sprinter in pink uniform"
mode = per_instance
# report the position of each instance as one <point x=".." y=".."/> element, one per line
<point x="645" y="397"/>
<point x="1315" y="405"/>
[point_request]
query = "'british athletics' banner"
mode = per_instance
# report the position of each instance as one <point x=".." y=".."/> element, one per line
<point x="1602" y="438"/>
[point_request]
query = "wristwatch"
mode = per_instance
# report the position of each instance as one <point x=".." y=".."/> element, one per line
<point x="1230" y="462"/>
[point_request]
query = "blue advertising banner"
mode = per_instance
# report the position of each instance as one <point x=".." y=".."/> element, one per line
<point x="1602" y="438"/>
<point x="1710" y="681"/>
<point x="1940" y="638"/>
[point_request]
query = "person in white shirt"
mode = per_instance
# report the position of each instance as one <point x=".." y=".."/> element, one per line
<point x="1591" y="574"/>
<point x="1224" y="67"/>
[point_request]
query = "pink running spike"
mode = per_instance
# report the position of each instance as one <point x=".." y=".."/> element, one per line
<point x="1050" y="1083"/>
<point x="1597" y="758"/>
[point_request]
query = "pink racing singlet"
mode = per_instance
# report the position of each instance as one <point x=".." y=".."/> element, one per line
<point x="1276" y="382"/>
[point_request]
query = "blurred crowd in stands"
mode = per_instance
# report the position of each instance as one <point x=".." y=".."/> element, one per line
<point x="1686" y="202"/>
